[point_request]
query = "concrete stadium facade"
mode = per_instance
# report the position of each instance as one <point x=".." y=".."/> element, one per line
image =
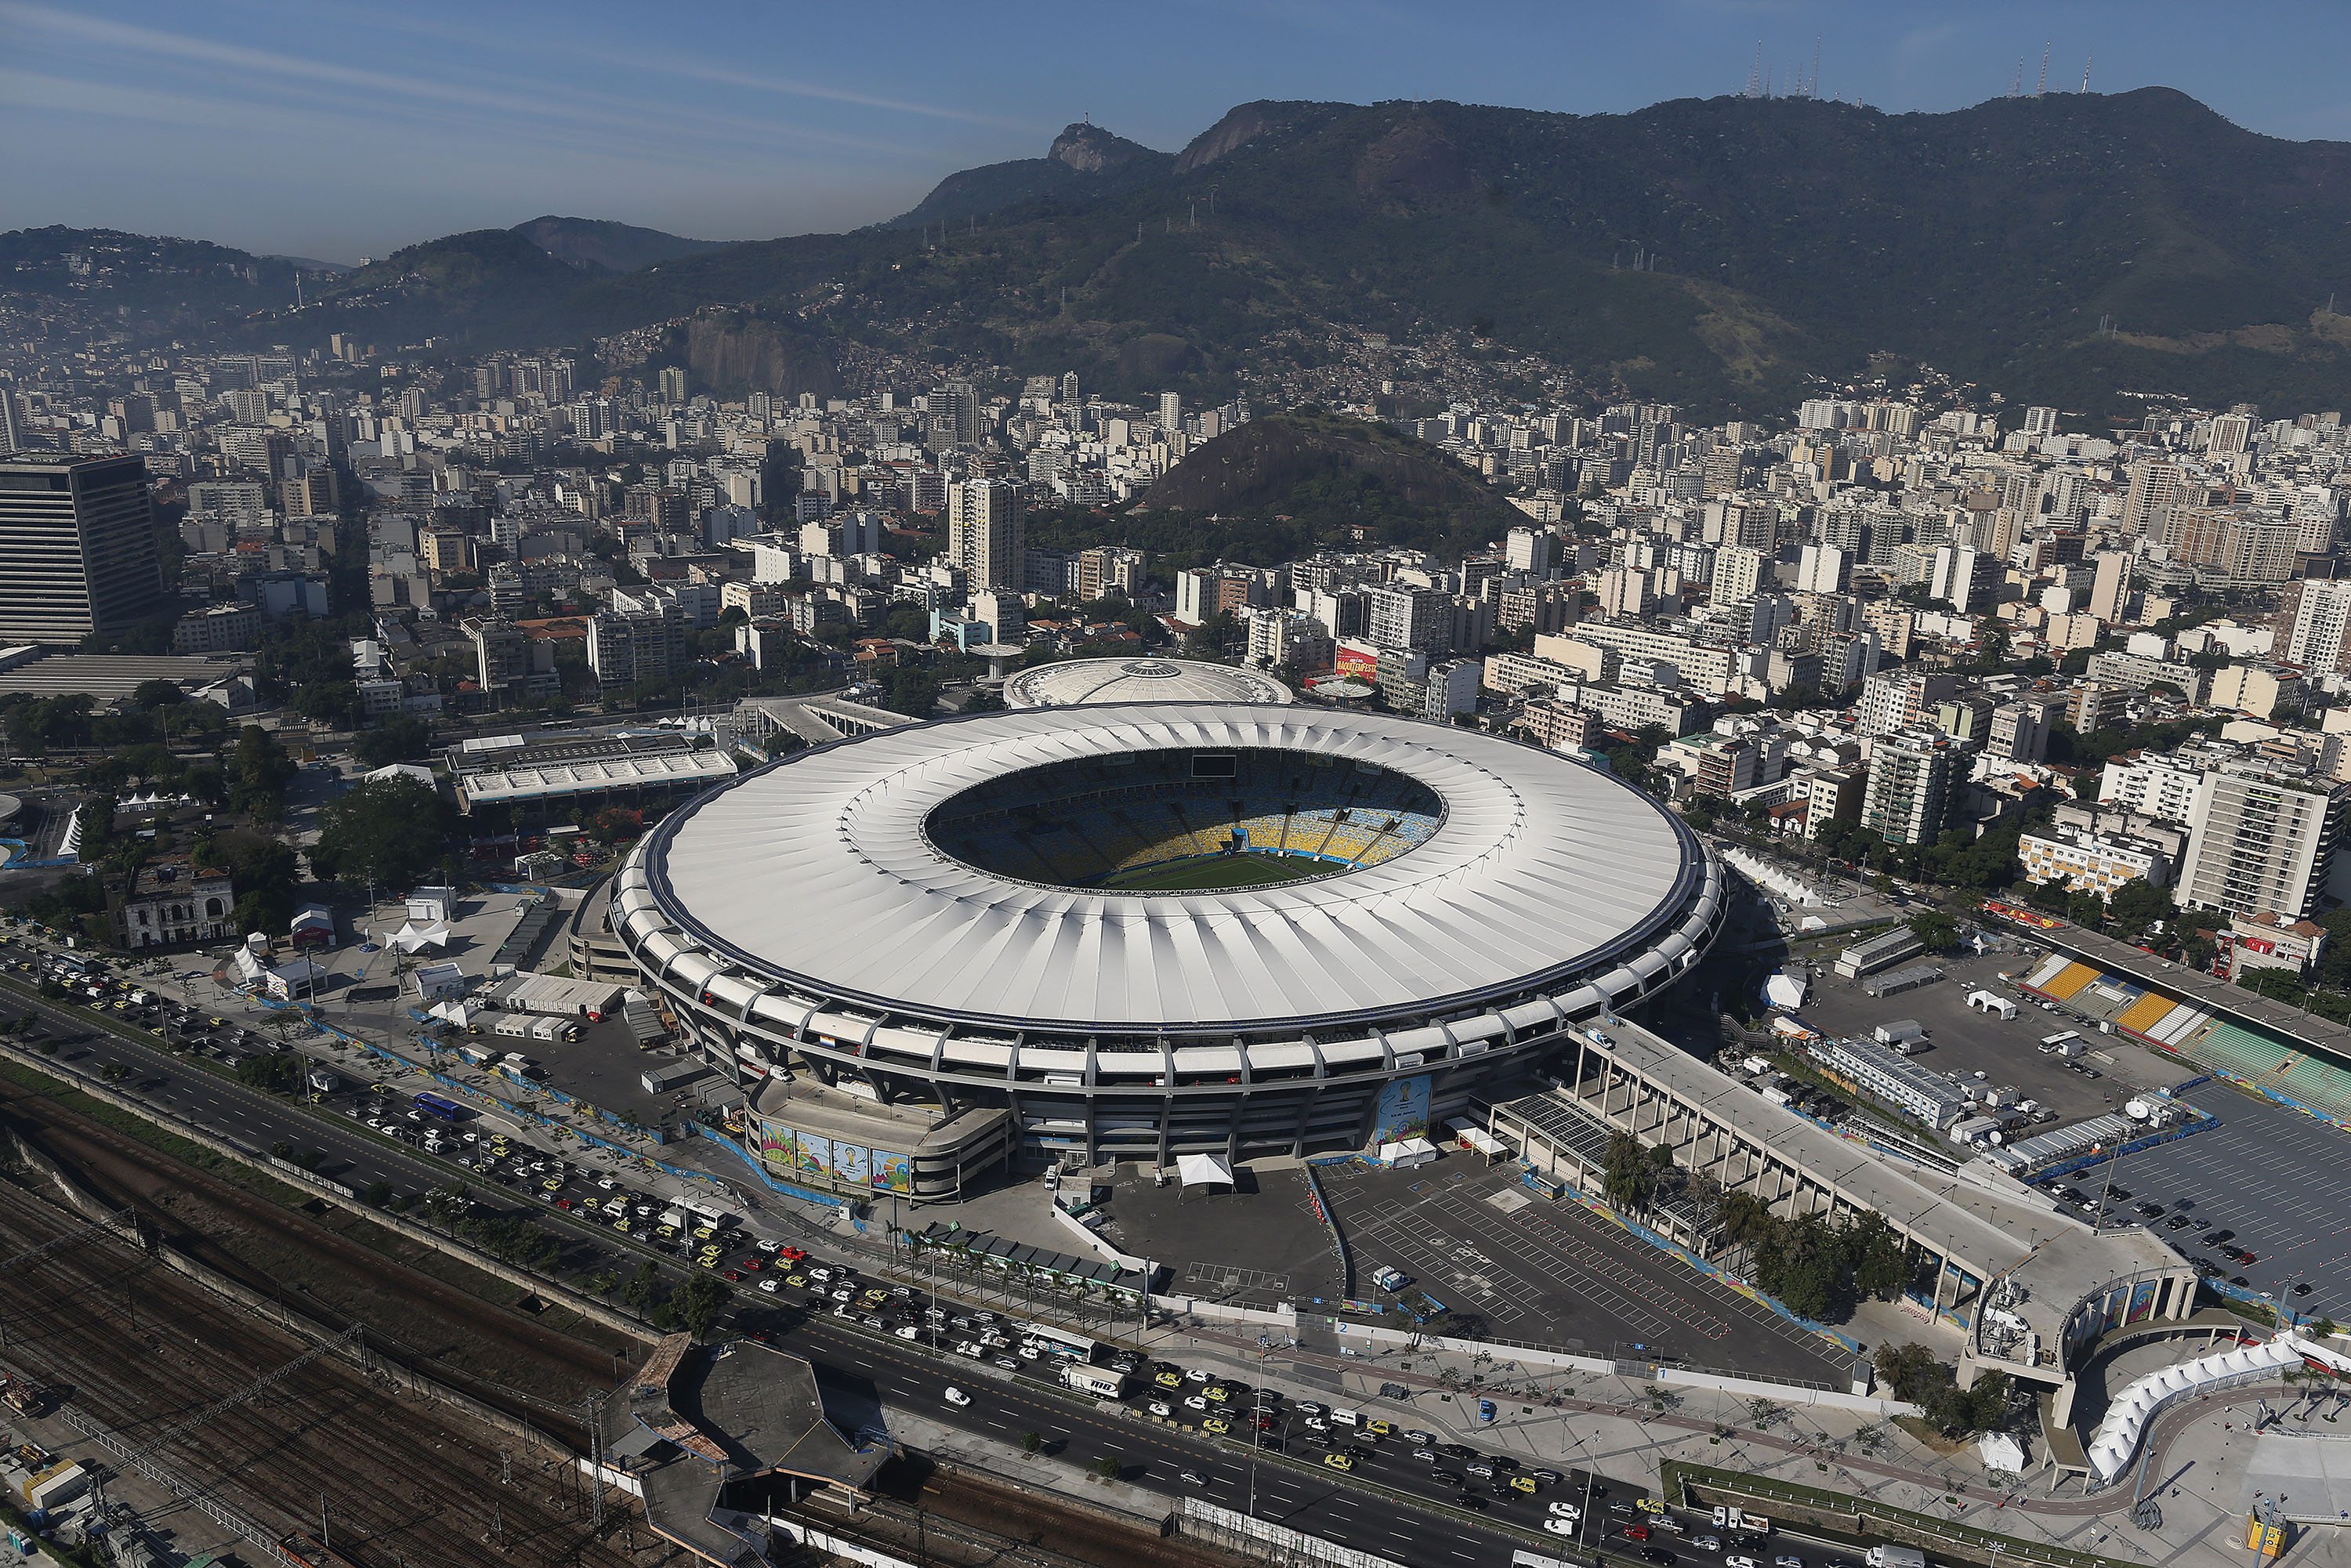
<point x="802" y="921"/>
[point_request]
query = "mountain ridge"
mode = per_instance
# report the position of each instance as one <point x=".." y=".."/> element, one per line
<point x="1725" y="253"/>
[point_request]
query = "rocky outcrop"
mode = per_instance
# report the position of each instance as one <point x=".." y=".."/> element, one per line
<point x="1089" y="150"/>
<point x="730" y="351"/>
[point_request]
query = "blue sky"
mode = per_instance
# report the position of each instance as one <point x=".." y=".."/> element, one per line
<point x="330" y="129"/>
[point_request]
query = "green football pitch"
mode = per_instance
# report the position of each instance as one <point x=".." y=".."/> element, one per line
<point x="1221" y="871"/>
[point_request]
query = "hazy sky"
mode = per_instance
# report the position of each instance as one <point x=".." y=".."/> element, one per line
<point x="335" y="130"/>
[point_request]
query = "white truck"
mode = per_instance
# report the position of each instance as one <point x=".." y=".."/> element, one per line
<point x="1098" y="1381"/>
<point x="1895" y="1557"/>
<point x="1391" y="1279"/>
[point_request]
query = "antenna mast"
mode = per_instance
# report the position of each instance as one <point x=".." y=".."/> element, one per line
<point x="1813" y="90"/>
<point x="2086" y="72"/>
<point x="2043" y="91"/>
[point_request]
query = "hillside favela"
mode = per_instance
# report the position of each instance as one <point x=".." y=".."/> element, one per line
<point x="1532" y="789"/>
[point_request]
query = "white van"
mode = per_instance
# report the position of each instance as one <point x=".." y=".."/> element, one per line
<point x="1346" y="1417"/>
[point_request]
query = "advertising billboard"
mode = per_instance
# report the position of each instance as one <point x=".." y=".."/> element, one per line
<point x="776" y="1144"/>
<point x="1402" y="1111"/>
<point x="814" y="1156"/>
<point x="892" y="1172"/>
<point x="852" y="1164"/>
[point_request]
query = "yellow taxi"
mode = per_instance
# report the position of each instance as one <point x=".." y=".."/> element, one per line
<point x="1216" y="1424"/>
<point x="1340" y="1461"/>
<point x="1380" y="1429"/>
<point x="708" y="1261"/>
<point x="1169" y="1380"/>
<point x="705" y="1232"/>
<point x="622" y="1223"/>
<point x="1649" y="1504"/>
<point x="1218" y="1394"/>
<point x="667" y="1232"/>
<point x="551" y="1184"/>
<point x="797" y="1281"/>
<point x="1523" y="1483"/>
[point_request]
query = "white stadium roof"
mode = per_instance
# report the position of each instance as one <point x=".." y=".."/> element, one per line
<point x="817" y="871"/>
<point x="1087" y="682"/>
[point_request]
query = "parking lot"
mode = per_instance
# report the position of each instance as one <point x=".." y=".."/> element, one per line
<point x="2277" y="1178"/>
<point x="1481" y="1243"/>
<point x="1256" y="1246"/>
<point x="1963" y="1041"/>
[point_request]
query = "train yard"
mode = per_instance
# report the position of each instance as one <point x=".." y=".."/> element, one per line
<point x="130" y="1341"/>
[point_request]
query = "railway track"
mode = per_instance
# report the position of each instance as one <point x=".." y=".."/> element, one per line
<point x="144" y="1349"/>
<point x="124" y="1172"/>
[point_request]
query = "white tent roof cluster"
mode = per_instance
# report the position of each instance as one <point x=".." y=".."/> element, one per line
<point x="411" y="937"/>
<point x="1784" y="991"/>
<point x="2116" y="1443"/>
<point x="1407" y="1152"/>
<point x="455" y="1012"/>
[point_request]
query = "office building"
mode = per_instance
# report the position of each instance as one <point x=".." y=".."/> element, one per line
<point x="76" y="548"/>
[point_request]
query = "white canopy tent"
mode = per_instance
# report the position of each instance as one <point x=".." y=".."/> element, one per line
<point x="411" y="937"/>
<point x="1203" y="1170"/>
<point x="1408" y="1154"/>
<point x="1784" y="991"/>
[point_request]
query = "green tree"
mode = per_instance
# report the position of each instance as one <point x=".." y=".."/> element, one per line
<point x="335" y="704"/>
<point x="397" y="737"/>
<point x="2135" y="906"/>
<point x="697" y="1304"/>
<point x="389" y="832"/>
<point x="1935" y="931"/>
<point x="258" y="772"/>
<point x="912" y="691"/>
<point x="157" y="694"/>
<point x="1630" y="1172"/>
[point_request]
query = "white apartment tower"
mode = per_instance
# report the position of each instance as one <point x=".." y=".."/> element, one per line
<point x="2262" y="841"/>
<point x="985" y="535"/>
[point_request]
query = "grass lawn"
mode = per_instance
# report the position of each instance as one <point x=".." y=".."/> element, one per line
<point x="1221" y="871"/>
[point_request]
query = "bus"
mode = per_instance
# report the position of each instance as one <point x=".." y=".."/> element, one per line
<point x="433" y="1105"/>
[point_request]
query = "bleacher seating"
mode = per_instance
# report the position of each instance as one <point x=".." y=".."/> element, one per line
<point x="1083" y="822"/>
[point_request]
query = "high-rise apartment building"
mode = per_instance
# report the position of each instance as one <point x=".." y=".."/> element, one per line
<point x="2239" y="543"/>
<point x="1820" y="569"/>
<point x="1739" y="572"/>
<point x="1171" y="413"/>
<point x="2039" y="422"/>
<point x="2154" y="490"/>
<point x="1914" y="787"/>
<point x="2262" y="841"/>
<point x="77" y="548"/>
<point x="985" y="534"/>
<point x="1901" y="700"/>
<point x="2313" y="623"/>
<point x="1417" y="619"/>
<point x="673" y="383"/>
<point x="2110" y="588"/>
<point x="1108" y="571"/>
<point x="2020" y="732"/>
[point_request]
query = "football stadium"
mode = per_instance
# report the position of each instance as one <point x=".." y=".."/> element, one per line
<point x="1138" y="931"/>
